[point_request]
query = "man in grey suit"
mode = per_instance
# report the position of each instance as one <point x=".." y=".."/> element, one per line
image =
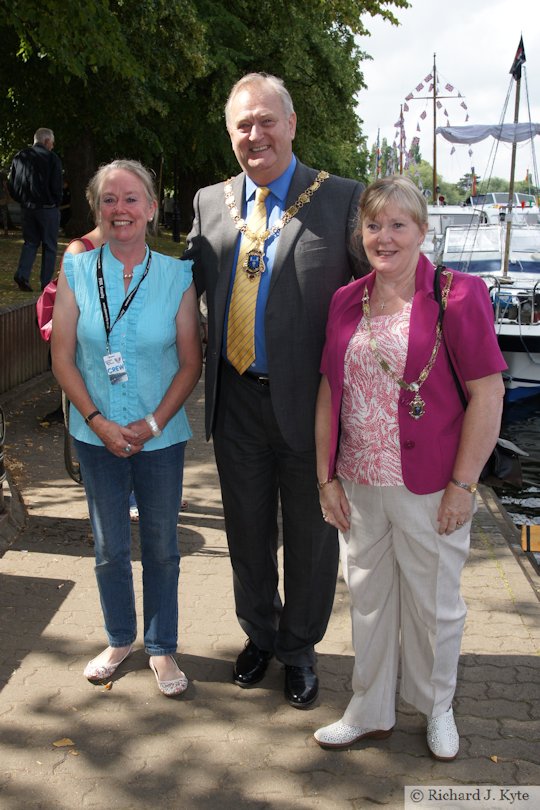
<point x="261" y="411"/>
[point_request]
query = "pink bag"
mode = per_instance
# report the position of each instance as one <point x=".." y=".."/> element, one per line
<point x="44" y="309"/>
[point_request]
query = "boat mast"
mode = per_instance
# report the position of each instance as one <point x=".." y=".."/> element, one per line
<point x="517" y="77"/>
<point x="435" y="197"/>
<point x="401" y="139"/>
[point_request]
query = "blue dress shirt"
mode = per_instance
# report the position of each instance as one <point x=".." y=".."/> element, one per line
<point x="275" y="207"/>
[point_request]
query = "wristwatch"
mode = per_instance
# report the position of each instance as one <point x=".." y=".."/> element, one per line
<point x="152" y="424"/>
<point x="462" y="485"/>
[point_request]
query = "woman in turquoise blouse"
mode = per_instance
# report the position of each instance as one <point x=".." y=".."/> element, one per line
<point x="126" y="351"/>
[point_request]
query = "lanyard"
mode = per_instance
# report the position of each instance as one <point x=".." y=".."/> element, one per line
<point x="103" y="295"/>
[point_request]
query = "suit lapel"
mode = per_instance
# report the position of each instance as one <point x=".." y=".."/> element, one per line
<point x="424" y="317"/>
<point x="228" y="245"/>
<point x="302" y="178"/>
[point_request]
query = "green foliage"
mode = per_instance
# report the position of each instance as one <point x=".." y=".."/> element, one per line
<point x="149" y="79"/>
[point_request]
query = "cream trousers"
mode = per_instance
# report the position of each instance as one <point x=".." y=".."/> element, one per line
<point x="404" y="582"/>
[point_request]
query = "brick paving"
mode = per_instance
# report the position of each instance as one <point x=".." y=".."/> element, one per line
<point x="220" y="747"/>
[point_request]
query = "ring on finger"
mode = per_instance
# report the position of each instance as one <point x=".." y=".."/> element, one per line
<point x="127" y="449"/>
<point x="460" y="522"/>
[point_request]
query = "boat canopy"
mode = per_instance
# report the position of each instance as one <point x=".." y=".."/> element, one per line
<point x="473" y="133"/>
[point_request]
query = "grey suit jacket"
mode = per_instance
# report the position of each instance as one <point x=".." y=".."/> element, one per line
<point x="314" y="257"/>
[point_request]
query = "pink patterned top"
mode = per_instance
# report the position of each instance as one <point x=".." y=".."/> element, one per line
<point x="369" y="449"/>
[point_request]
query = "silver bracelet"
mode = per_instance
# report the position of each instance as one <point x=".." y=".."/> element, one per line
<point x="152" y="424"/>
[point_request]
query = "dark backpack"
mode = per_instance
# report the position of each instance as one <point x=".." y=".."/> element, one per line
<point x="27" y="177"/>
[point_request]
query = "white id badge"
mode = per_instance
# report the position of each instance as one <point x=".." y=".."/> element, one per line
<point x="115" y="368"/>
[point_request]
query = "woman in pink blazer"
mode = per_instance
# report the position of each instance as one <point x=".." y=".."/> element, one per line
<point x="398" y="462"/>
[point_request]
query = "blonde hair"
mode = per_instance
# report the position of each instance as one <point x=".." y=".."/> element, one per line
<point x="94" y="187"/>
<point x="397" y="189"/>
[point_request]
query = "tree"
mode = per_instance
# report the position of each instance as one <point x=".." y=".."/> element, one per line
<point x="149" y="78"/>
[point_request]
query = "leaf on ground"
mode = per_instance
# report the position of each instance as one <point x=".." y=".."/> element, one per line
<point x="494" y="758"/>
<point x="63" y="743"/>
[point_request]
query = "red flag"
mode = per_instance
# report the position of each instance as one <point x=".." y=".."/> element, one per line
<point x="519" y="60"/>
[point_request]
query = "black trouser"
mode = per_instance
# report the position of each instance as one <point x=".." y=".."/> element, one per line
<point x="256" y="468"/>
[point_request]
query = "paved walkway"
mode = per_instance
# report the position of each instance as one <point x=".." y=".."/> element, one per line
<point x="219" y="747"/>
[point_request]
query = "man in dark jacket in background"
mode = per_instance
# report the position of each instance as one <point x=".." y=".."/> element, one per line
<point x="35" y="181"/>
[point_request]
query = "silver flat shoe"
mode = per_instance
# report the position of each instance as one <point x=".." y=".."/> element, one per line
<point x="173" y="687"/>
<point x="99" y="672"/>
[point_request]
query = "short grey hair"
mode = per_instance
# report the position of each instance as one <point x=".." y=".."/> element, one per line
<point x="93" y="189"/>
<point x="43" y="134"/>
<point x="273" y="82"/>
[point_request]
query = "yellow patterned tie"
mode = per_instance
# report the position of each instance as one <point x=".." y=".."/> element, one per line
<point x="241" y="325"/>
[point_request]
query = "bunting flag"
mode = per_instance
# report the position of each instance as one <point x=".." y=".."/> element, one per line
<point x="431" y="87"/>
<point x="445" y="112"/>
<point x="418" y="128"/>
<point x="463" y="105"/>
<point x="408" y="98"/>
<point x="449" y="87"/>
<point x="406" y="107"/>
<point x="423" y="114"/>
<point x="519" y="60"/>
<point x="439" y="105"/>
<point x="428" y="78"/>
<point x="452" y="150"/>
<point x="466" y="117"/>
<point x="419" y="87"/>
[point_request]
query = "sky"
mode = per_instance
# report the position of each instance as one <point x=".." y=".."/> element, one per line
<point x="475" y="42"/>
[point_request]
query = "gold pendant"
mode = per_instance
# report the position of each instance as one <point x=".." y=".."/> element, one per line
<point x="253" y="264"/>
<point x="417" y="408"/>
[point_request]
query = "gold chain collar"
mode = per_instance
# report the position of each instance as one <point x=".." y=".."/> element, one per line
<point x="418" y="406"/>
<point x="260" y="238"/>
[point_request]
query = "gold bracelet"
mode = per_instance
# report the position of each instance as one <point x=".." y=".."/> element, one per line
<point x="322" y="484"/>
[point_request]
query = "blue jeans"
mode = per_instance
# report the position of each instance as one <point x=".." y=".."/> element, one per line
<point x="155" y="477"/>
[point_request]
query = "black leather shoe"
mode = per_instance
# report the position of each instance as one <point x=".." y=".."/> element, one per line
<point x="301" y="686"/>
<point x="251" y="665"/>
<point x="22" y="284"/>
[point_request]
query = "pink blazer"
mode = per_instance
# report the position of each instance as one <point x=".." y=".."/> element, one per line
<point x="429" y="444"/>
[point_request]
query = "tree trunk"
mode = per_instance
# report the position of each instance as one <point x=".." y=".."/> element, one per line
<point x="79" y="165"/>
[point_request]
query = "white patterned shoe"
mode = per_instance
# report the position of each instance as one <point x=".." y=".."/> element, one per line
<point x="442" y="736"/>
<point x="341" y="735"/>
<point x="96" y="670"/>
<point x="172" y="687"/>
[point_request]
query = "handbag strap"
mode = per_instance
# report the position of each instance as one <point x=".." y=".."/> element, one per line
<point x="438" y="298"/>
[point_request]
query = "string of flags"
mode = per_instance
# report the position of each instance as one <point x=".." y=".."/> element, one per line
<point x="424" y="86"/>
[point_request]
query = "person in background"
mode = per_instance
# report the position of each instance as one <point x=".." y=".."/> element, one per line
<point x="127" y="353"/>
<point x="35" y="181"/>
<point x="80" y="244"/>
<point x="4" y="199"/>
<point x="399" y="460"/>
<point x="270" y="246"/>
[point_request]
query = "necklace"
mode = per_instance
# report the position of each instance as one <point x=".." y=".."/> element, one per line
<point x="417" y="406"/>
<point x="383" y="303"/>
<point x="127" y="275"/>
<point x="254" y="264"/>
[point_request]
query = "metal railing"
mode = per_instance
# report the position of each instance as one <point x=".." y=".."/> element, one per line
<point x="23" y="353"/>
